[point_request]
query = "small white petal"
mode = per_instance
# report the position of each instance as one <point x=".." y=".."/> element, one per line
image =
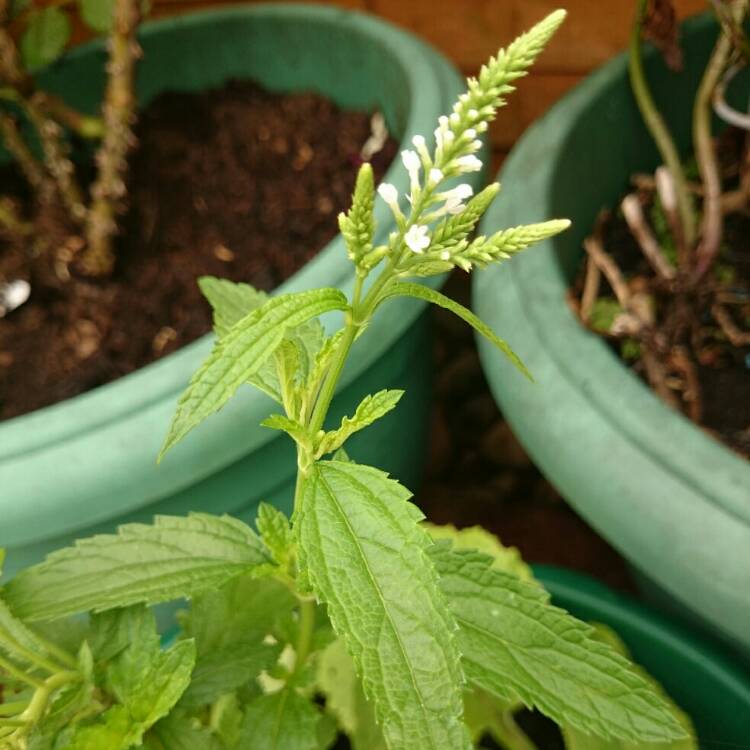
<point x="388" y="193"/>
<point x="470" y="133"/>
<point x="468" y="163"/>
<point x="455" y="118"/>
<point x="435" y="176"/>
<point x="411" y="160"/>
<point x="418" y="141"/>
<point x="416" y="239"/>
<point x="473" y="114"/>
<point x="445" y="255"/>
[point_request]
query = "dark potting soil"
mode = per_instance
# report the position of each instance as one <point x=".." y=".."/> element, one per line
<point x="235" y="182"/>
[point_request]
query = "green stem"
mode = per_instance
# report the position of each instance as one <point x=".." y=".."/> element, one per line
<point x="306" y="629"/>
<point x="712" y="225"/>
<point x="331" y="380"/>
<point x="41" y="697"/>
<point x="510" y="735"/>
<point x="11" y="709"/>
<point x="19" y="674"/>
<point x="658" y="128"/>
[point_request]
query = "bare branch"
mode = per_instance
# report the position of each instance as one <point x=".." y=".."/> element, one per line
<point x="633" y="212"/>
<point x="108" y="192"/>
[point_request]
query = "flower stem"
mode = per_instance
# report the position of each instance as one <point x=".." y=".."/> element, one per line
<point x="658" y="127"/>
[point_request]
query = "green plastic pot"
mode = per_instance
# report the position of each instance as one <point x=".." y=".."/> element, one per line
<point x="88" y="464"/>
<point x="672" y="500"/>
<point x="702" y="679"/>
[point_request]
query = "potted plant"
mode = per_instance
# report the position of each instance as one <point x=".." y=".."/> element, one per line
<point x="87" y="463"/>
<point x="672" y="499"/>
<point x="350" y="615"/>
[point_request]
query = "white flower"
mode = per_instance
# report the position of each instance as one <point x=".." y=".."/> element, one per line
<point x="388" y="193"/>
<point x="473" y="114"/>
<point x="436" y="176"/>
<point x="412" y="163"/>
<point x="470" y="133"/>
<point x="417" y="239"/>
<point x="455" y="118"/>
<point x="445" y="255"/>
<point x="461" y="192"/>
<point x="468" y="163"/>
<point x="454" y="199"/>
<point x="421" y="146"/>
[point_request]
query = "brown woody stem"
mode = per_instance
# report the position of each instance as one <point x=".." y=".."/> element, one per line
<point x="108" y="192"/>
<point x="55" y="151"/>
<point x="658" y="127"/>
<point x="712" y="225"/>
<point x="14" y="142"/>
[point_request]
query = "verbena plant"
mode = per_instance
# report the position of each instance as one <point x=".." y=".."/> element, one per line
<point x="36" y="125"/>
<point x="351" y="616"/>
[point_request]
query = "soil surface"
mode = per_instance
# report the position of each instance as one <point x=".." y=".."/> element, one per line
<point x="235" y="182"/>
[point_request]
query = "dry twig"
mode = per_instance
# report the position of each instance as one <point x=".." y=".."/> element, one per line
<point x="631" y="209"/>
<point x="109" y="191"/>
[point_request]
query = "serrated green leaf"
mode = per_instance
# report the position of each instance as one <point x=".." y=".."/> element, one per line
<point x="17" y="640"/>
<point x="226" y="669"/>
<point x="577" y="740"/>
<point x="365" y="556"/>
<point x="113" y="730"/>
<point x="370" y="409"/>
<point x="230" y="301"/>
<point x="245" y="609"/>
<point x="67" y="707"/>
<point x="240" y="353"/>
<point x="229" y="627"/>
<point x="173" y="558"/>
<point x="327" y="732"/>
<point x="226" y="719"/>
<point x="275" y="531"/>
<point x="292" y="427"/>
<point x="45" y="37"/>
<point x="97" y="14"/>
<point x="408" y="289"/>
<point x="280" y="721"/>
<point x="479" y="539"/>
<point x="514" y="643"/>
<point x="180" y="732"/>
<point x="345" y="699"/>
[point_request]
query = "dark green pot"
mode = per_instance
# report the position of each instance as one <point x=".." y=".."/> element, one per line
<point x="672" y="500"/>
<point x="704" y="681"/>
<point x="87" y="464"/>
